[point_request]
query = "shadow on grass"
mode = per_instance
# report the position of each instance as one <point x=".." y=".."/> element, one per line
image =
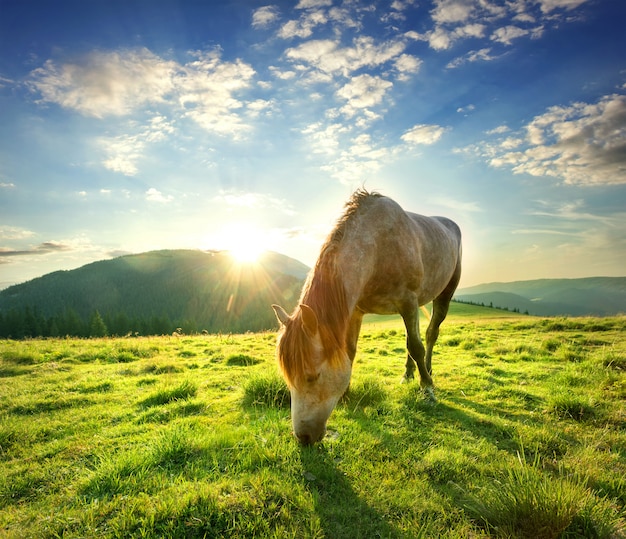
<point x="341" y="512"/>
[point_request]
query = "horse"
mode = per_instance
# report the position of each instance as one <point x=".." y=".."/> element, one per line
<point x="378" y="259"/>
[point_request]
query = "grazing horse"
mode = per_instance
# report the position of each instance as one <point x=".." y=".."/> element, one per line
<point x="378" y="259"/>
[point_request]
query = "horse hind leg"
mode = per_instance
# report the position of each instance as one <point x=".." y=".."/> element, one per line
<point x="440" y="310"/>
<point x="416" y="351"/>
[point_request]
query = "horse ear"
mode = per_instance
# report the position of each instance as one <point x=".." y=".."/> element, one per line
<point x="309" y="320"/>
<point x="281" y="314"/>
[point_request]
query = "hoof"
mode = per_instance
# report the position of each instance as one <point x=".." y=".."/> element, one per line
<point x="407" y="379"/>
<point x="429" y="395"/>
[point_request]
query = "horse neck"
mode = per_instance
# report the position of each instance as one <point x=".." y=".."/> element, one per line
<point x="326" y="293"/>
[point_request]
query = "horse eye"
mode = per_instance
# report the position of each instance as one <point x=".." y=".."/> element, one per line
<point x="312" y="378"/>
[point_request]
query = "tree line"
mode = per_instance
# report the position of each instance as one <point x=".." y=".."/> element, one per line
<point x="30" y="323"/>
<point x="490" y="306"/>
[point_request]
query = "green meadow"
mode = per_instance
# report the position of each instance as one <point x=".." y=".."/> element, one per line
<point x="190" y="436"/>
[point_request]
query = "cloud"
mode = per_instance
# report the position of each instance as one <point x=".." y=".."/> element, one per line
<point x="572" y="211"/>
<point x="41" y="249"/>
<point x="363" y="91"/>
<point x="207" y="90"/>
<point x="405" y="64"/>
<point x="121" y="83"/>
<point x="303" y="27"/>
<point x="264" y="16"/>
<point x="450" y="11"/>
<point x="499" y="130"/>
<point x="582" y="144"/>
<point x="456" y="20"/>
<point x="423" y="134"/>
<point x="7" y="185"/>
<point x="457" y="205"/>
<point x="106" y="83"/>
<point x="507" y="34"/>
<point x="325" y="139"/>
<point x="307" y="4"/>
<point x="550" y="5"/>
<point x="14" y="233"/>
<point x="441" y="38"/>
<point x="122" y="153"/>
<point x="360" y="160"/>
<point x="154" y="195"/>
<point x="327" y="55"/>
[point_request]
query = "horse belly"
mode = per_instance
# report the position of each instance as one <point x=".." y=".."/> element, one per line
<point x="386" y="293"/>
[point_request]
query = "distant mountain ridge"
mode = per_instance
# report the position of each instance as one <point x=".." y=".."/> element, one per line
<point x="591" y="296"/>
<point x="158" y="290"/>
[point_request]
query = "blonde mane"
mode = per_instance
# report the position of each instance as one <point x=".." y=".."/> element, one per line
<point x="325" y="293"/>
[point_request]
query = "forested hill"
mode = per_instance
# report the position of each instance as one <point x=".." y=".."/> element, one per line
<point x="154" y="293"/>
<point x="592" y="296"/>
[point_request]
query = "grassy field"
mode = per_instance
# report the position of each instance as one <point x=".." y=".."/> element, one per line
<point x="189" y="436"/>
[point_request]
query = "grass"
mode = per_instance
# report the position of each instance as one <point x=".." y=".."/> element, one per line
<point x="190" y="437"/>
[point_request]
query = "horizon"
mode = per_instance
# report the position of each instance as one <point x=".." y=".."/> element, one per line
<point x="241" y="125"/>
<point x="247" y="261"/>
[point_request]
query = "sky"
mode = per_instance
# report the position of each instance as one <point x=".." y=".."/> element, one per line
<point x="130" y="126"/>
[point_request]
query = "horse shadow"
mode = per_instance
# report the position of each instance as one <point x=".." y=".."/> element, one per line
<point x="341" y="511"/>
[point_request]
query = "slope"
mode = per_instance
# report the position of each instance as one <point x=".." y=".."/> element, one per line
<point x="593" y="296"/>
<point x="208" y="290"/>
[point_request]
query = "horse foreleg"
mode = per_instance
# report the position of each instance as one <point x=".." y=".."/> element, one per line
<point x="353" y="333"/>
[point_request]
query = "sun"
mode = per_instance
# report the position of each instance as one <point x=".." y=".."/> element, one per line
<point x="244" y="242"/>
<point x="246" y="253"/>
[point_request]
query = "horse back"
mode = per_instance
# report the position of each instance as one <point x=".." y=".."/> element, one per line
<point x="399" y="254"/>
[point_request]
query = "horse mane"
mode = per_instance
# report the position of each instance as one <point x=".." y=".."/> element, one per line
<point x="325" y="293"/>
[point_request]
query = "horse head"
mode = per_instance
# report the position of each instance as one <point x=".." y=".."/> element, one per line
<point x="316" y="371"/>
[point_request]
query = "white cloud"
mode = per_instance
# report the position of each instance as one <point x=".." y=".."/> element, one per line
<point x="351" y="169"/>
<point x="207" y="90"/>
<point x="456" y="20"/>
<point x="583" y="143"/>
<point x="442" y="38"/>
<point x="469" y="108"/>
<point x="499" y="130"/>
<point x="120" y="83"/>
<point x="507" y="34"/>
<point x="451" y="11"/>
<point x="256" y="107"/>
<point x="154" y="195"/>
<point x="325" y="139"/>
<point x="405" y="63"/>
<point x="122" y="153"/>
<point x="423" y="134"/>
<point x="264" y="16"/>
<point x="15" y="233"/>
<point x="327" y="56"/>
<point x="106" y="83"/>
<point x="307" y="4"/>
<point x="304" y="26"/>
<point x="550" y="5"/>
<point x="457" y="205"/>
<point x="363" y="91"/>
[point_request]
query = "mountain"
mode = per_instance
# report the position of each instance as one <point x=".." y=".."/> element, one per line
<point x="195" y="290"/>
<point x="592" y="296"/>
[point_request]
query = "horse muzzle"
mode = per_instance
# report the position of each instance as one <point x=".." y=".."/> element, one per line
<point x="310" y="434"/>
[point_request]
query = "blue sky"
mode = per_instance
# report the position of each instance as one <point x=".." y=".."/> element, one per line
<point x="129" y="126"/>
